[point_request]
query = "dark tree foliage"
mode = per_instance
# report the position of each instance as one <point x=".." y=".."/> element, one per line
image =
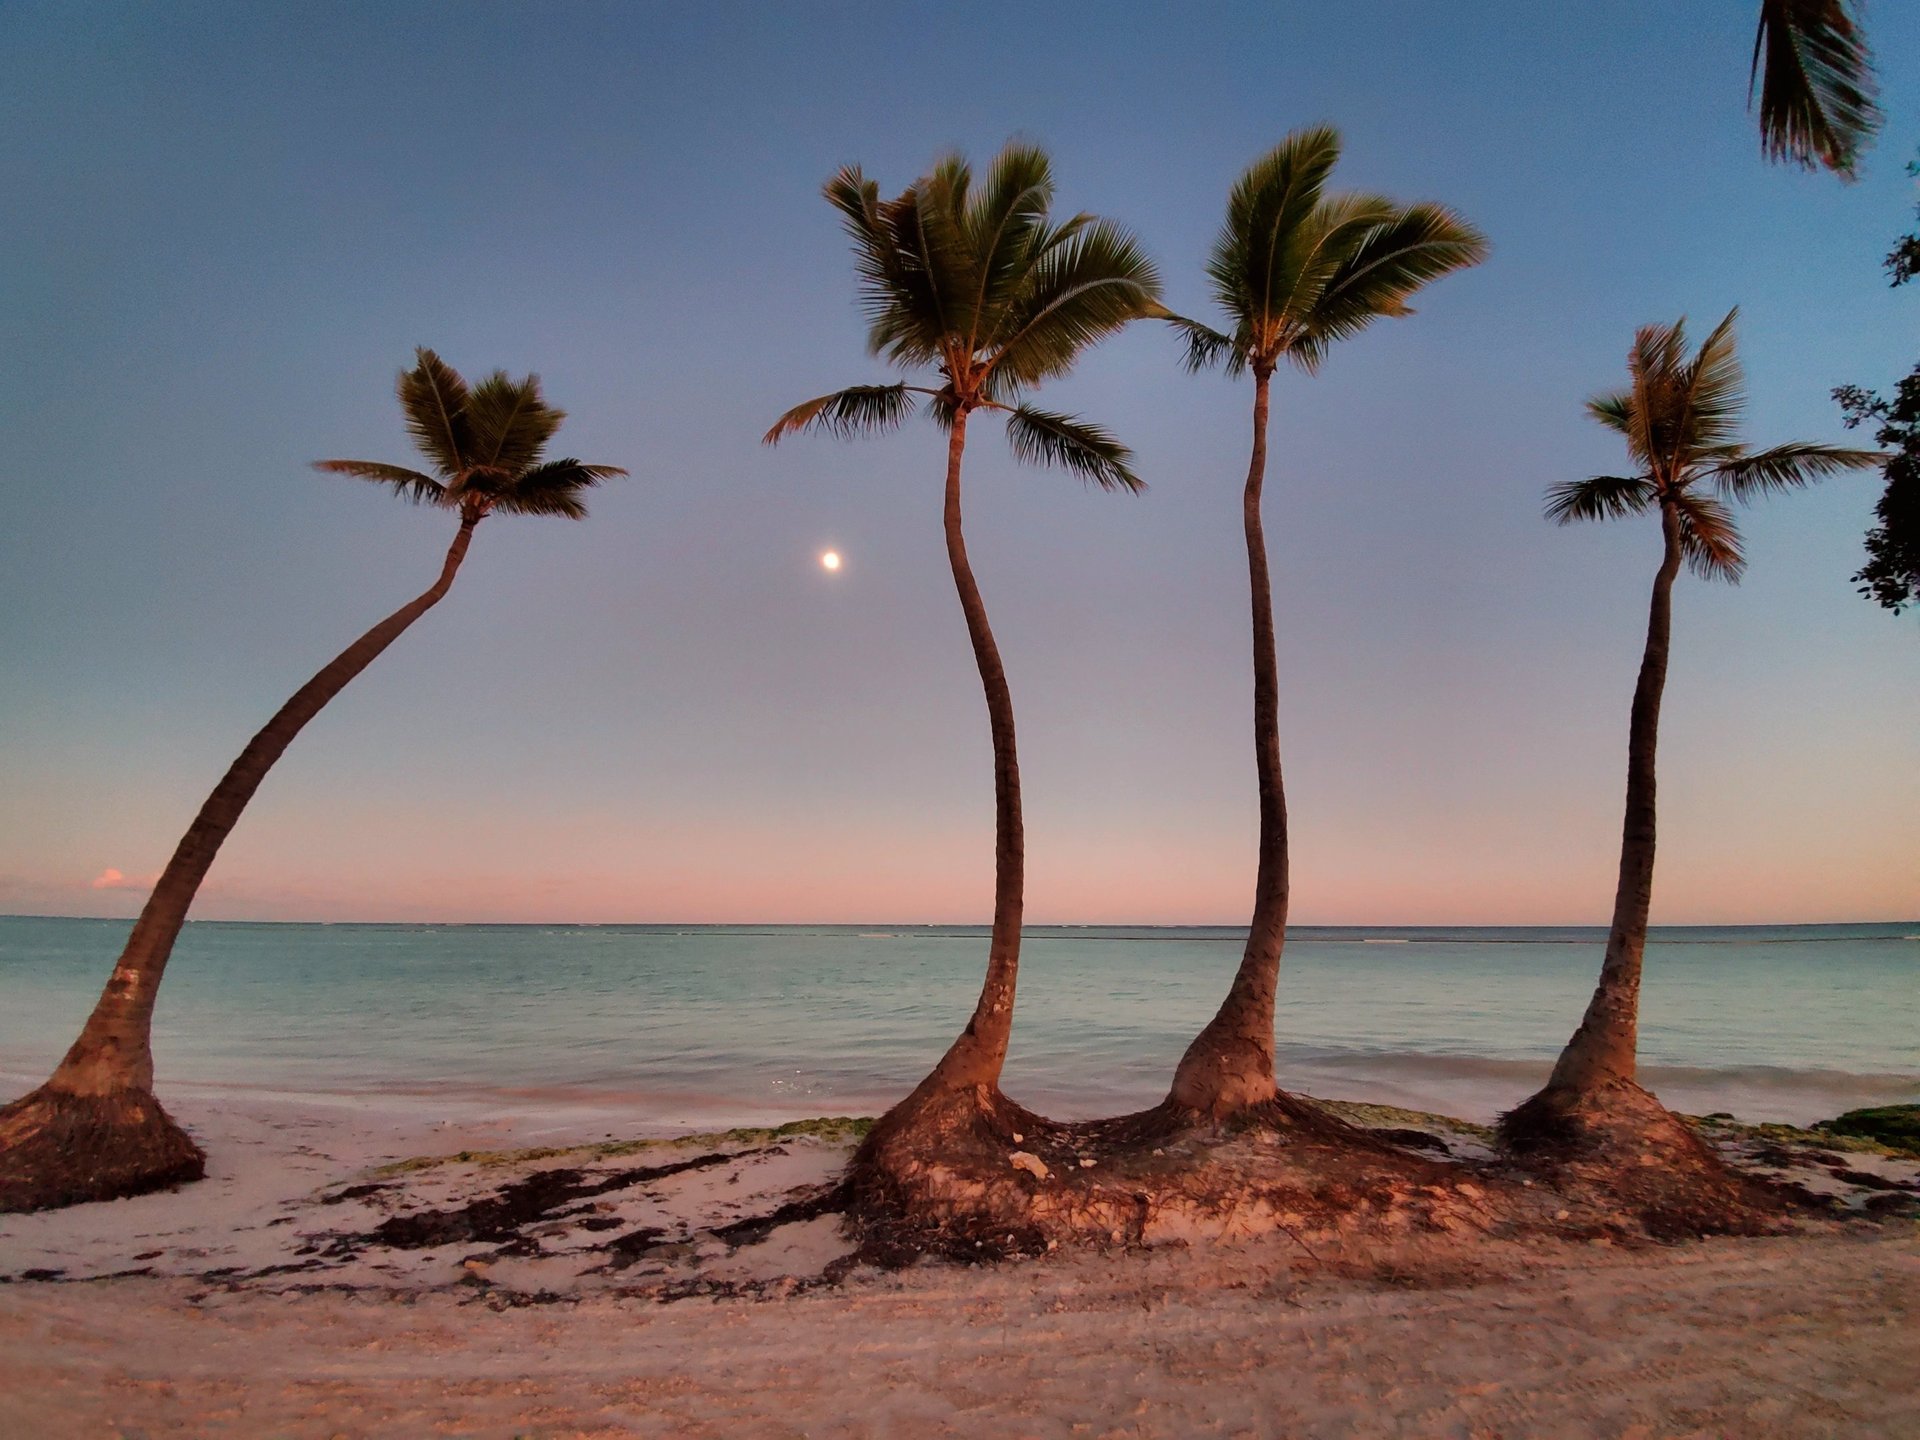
<point x="1903" y="261"/>
<point x="1891" y="576"/>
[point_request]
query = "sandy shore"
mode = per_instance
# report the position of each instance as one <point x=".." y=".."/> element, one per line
<point x="321" y="1284"/>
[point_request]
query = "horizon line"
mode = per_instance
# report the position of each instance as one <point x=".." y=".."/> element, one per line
<point x="985" y="925"/>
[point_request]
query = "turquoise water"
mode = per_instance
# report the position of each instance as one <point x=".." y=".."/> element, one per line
<point x="680" y="1023"/>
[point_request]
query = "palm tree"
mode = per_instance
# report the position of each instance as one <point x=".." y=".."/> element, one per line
<point x="1295" y="269"/>
<point x="1680" y="417"/>
<point x="985" y="289"/>
<point x="94" y="1130"/>
<point x="1814" y="73"/>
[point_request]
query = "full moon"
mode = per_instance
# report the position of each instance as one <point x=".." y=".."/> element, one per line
<point x="830" y="560"/>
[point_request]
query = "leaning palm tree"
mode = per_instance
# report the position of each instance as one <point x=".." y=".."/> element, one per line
<point x="984" y="288"/>
<point x="94" y="1130"/>
<point x="1680" y="419"/>
<point x="1295" y="269"/>
<point x="1814" y="75"/>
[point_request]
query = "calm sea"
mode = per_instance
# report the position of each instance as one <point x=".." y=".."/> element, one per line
<point x="690" y="1025"/>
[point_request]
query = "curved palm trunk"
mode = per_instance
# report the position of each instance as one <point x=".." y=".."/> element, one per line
<point x="1230" y="1063"/>
<point x="104" y="1084"/>
<point x="1604" y="1047"/>
<point x="976" y="1056"/>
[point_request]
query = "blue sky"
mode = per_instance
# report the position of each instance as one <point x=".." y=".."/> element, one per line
<point x="228" y="227"/>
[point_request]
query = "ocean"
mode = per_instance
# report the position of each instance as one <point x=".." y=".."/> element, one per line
<point x="670" y="1027"/>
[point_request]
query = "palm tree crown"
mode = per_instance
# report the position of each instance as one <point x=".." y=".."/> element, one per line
<point x="484" y="443"/>
<point x="1296" y="268"/>
<point x="1814" y="73"/>
<point x="1679" y="417"/>
<point x="985" y="288"/>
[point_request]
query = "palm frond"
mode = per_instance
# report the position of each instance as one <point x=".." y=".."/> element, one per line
<point x="1600" y="497"/>
<point x="1791" y="466"/>
<point x="859" y="409"/>
<point x="1712" y="389"/>
<point x="1656" y="406"/>
<point x="508" y="422"/>
<point x="408" y="484"/>
<point x="1394" y="253"/>
<point x="1615" y="409"/>
<point x="1709" y="539"/>
<point x="1081" y="292"/>
<point x="1266" y="211"/>
<point x="1205" y="346"/>
<point x="553" y="488"/>
<point x="433" y="398"/>
<point x="1815" y="77"/>
<point x="1006" y="231"/>
<point x="1041" y="437"/>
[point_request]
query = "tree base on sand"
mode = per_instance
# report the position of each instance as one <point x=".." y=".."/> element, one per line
<point x="969" y="1174"/>
<point x="1614" y="1143"/>
<point x="60" y="1148"/>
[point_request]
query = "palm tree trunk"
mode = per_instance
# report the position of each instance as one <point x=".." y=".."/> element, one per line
<point x="1605" y="1045"/>
<point x="112" y="1061"/>
<point x="1230" y="1063"/>
<point x="977" y="1055"/>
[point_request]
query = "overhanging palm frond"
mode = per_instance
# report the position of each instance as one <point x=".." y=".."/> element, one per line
<point x="433" y="398"/>
<point x="1815" y="77"/>
<point x="407" y="484"/>
<point x="1600" y="497"/>
<point x="1788" y="467"/>
<point x="1709" y="539"/>
<point x="1042" y="437"/>
<point x="553" y="488"/>
<point x="508" y="424"/>
<point x="859" y="409"/>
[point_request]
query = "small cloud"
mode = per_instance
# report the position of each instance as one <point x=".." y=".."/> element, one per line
<point x="112" y="879"/>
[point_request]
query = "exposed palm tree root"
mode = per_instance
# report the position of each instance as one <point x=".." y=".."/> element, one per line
<point x="58" y="1148"/>
<point x="1614" y="1144"/>
<point x="970" y="1174"/>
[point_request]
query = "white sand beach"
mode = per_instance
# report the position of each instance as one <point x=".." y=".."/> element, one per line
<point x="312" y="1286"/>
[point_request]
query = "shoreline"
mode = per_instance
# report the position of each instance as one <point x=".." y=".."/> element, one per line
<point x="1470" y="1087"/>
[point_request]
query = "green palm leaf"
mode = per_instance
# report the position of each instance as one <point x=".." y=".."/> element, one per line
<point x="508" y="423"/>
<point x="553" y="488"/>
<point x="1081" y="291"/>
<point x="1601" y="497"/>
<point x="857" y="410"/>
<point x="1709" y="539"/>
<point x="1788" y="467"/>
<point x="433" y="398"/>
<point x="1815" y="77"/>
<point x="1042" y="437"/>
<point x="407" y="484"/>
<point x="1394" y="254"/>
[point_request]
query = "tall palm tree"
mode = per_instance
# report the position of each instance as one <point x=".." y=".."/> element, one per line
<point x="95" y="1130"/>
<point x="1680" y="418"/>
<point x="984" y="288"/>
<point x="1814" y="73"/>
<point x="1295" y="268"/>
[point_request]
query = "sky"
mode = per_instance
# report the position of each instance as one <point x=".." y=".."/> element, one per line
<point x="228" y="226"/>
